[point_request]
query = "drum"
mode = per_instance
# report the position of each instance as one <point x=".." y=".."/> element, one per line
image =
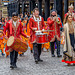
<point x="17" y="44"/>
<point x="42" y="38"/>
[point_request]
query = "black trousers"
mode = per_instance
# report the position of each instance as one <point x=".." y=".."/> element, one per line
<point x="72" y="40"/>
<point x="37" y="50"/>
<point x="13" y="57"/>
<point x="58" y="47"/>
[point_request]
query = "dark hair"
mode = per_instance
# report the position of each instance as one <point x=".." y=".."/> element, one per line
<point x="22" y="19"/>
<point x="65" y="19"/>
<point x="3" y="20"/>
<point x="14" y="14"/>
<point x="35" y="9"/>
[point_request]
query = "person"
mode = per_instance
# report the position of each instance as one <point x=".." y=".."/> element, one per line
<point x="21" y="16"/>
<point x="54" y="24"/>
<point x="1" y="38"/>
<point x="14" y="28"/>
<point x="69" y="40"/>
<point x="26" y="21"/>
<point x="46" y="45"/>
<point x="2" y="41"/>
<point x="29" y="42"/>
<point x="70" y="11"/>
<point x="36" y="23"/>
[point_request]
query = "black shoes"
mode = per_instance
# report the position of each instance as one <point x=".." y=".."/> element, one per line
<point x="53" y="55"/>
<point x="13" y="66"/>
<point x="59" y="55"/>
<point x="40" y="60"/>
<point x="31" y="51"/>
<point x="36" y="61"/>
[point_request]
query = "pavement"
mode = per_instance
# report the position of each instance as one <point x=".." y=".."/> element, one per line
<point x="27" y="66"/>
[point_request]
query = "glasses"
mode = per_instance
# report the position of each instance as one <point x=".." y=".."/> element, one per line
<point x="53" y="15"/>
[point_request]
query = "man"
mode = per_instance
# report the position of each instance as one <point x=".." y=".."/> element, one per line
<point x="14" y="28"/>
<point x="70" y="11"/>
<point x="55" y="24"/>
<point x="36" y="23"/>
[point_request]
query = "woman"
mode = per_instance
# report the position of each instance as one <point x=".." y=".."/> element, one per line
<point x="68" y="36"/>
<point x="3" y="21"/>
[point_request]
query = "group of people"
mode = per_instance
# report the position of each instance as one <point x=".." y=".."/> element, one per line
<point x="27" y="29"/>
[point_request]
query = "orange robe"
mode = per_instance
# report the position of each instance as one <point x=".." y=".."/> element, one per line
<point x="28" y="33"/>
<point x="2" y="43"/>
<point x="46" y="45"/>
<point x="7" y="53"/>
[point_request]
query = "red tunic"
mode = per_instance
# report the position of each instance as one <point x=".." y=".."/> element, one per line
<point x="14" y="31"/>
<point x="56" y="29"/>
<point x="34" y="24"/>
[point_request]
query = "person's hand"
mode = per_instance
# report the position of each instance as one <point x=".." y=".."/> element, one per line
<point x="43" y="30"/>
<point x="10" y="50"/>
<point x="54" y="18"/>
<point x="58" y="22"/>
<point x="63" y="42"/>
<point x="6" y="37"/>
<point x="28" y="37"/>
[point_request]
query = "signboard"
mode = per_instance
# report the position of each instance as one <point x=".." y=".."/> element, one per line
<point x="7" y="1"/>
<point x="3" y="1"/>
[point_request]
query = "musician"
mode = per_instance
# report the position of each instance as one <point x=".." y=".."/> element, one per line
<point x="70" y="11"/>
<point x="36" y="23"/>
<point x="55" y="24"/>
<point x="14" y="28"/>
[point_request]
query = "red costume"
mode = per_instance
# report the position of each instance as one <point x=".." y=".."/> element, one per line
<point x="14" y="31"/>
<point x="56" y="29"/>
<point x="33" y="23"/>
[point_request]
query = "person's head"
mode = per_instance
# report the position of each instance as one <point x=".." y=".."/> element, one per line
<point x="68" y="18"/>
<point x="0" y="20"/>
<point x="18" y="16"/>
<point x="1" y="32"/>
<point x="21" y="15"/>
<point x="36" y="12"/>
<point x="23" y="20"/>
<point x="53" y="13"/>
<point x="3" y="19"/>
<point x="70" y="8"/>
<point x="25" y="13"/>
<point x="26" y="17"/>
<point x="14" y="16"/>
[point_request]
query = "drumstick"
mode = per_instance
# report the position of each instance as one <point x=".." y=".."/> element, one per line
<point x="44" y="30"/>
<point x="48" y="30"/>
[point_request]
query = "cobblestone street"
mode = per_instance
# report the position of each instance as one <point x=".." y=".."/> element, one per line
<point x="27" y="66"/>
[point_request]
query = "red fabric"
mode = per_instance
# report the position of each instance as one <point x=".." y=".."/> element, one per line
<point x="18" y="31"/>
<point x="52" y="25"/>
<point x="68" y="61"/>
<point x="34" y="24"/>
<point x="65" y="15"/>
